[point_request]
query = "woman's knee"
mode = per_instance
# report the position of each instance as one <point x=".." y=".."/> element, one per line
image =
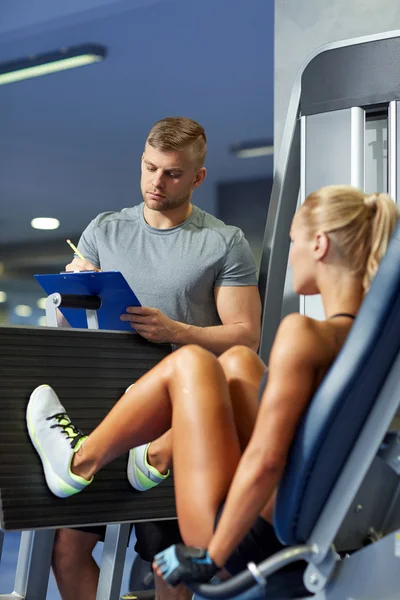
<point x="234" y="360"/>
<point x="192" y="356"/>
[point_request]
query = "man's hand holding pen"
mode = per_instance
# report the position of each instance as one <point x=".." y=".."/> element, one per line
<point x="79" y="264"/>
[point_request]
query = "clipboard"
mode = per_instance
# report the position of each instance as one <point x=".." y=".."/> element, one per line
<point x="112" y="288"/>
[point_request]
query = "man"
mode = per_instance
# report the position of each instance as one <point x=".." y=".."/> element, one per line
<point x="196" y="280"/>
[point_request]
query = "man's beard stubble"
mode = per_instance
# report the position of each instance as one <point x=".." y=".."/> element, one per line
<point x="166" y="204"/>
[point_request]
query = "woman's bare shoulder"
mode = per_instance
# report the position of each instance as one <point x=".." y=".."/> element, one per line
<point x="295" y="322"/>
<point x="305" y="337"/>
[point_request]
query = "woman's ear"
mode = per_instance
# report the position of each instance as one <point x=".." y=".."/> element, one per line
<point x="321" y="245"/>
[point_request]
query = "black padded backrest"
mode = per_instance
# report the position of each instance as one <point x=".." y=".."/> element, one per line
<point x="341" y="405"/>
<point x="89" y="370"/>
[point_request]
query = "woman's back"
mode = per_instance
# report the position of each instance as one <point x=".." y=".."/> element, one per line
<point x="332" y="334"/>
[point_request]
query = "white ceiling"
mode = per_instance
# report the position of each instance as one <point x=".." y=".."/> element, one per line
<point x="70" y="143"/>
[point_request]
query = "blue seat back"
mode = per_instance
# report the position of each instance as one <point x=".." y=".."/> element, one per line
<point x="341" y="405"/>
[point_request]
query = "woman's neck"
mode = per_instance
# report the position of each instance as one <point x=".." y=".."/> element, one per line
<point x="344" y="296"/>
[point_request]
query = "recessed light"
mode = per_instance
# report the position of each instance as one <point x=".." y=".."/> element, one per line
<point x="253" y="149"/>
<point x="23" y="310"/>
<point x="42" y="321"/>
<point x="3" y="297"/>
<point x="51" y="62"/>
<point x="45" y="223"/>
<point x="254" y="152"/>
<point x="41" y="303"/>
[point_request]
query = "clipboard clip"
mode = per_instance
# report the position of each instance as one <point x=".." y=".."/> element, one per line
<point x="90" y="304"/>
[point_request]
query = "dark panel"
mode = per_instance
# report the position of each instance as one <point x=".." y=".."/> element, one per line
<point x="89" y="370"/>
<point x="245" y="205"/>
<point x="359" y="75"/>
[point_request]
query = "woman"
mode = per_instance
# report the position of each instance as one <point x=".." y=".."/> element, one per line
<point x="227" y="450"/>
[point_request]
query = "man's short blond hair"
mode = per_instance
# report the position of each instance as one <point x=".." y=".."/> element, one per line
<point x="179" y="133"/>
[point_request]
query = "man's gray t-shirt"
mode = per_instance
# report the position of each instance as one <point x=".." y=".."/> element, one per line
<point x="174" y="270"/>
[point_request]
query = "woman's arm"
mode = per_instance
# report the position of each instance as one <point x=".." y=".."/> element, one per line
<point x="296" y="357"/>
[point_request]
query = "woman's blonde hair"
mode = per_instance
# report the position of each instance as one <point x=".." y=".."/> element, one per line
<point x="360" y="225"/>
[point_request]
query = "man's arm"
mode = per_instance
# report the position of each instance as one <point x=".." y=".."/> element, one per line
<point x="239" y="308"/>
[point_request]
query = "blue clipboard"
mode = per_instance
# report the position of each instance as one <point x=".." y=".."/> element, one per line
<point x="110" y="286"/>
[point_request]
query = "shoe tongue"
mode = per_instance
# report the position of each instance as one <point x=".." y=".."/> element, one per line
<point x="70" y="430"/>
<point x="80" y="442"/>
<point x="72" y="433"/>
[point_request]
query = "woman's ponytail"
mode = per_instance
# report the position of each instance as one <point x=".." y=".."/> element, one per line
<point x="384" y="215"/>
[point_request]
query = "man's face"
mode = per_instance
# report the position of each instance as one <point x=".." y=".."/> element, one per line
<point x="169" y="178"/>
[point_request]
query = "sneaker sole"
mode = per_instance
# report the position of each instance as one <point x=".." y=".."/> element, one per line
<point x="132" y="476"/>
<point x="58" y="486"/>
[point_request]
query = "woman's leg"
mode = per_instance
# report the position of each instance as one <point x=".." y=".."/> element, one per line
<point x="243" y="370"/>
<point x="188" y="390"/>
<point x="159" y="453"/>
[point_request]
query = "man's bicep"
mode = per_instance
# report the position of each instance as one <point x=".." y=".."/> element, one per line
<point x="239" y="304"/>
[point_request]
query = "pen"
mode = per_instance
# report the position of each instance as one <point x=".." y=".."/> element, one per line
<point x="75" y="249"/>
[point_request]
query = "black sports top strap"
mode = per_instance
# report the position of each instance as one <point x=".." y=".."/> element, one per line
<point x="343" y="315"/>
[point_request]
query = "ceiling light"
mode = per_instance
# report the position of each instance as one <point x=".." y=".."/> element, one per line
<point x="253" y="149"/>
<point x="23" y="310"/>
<point x="3" y="297"/>
<point x="51" y="62"/>
<point x="41" y="303"/>
<point x="45" y="223"/>
<point x="254" y="152"/>
<point x="42" y="321"/>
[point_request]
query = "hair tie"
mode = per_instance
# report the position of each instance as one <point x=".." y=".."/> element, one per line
<point x="371" y="202"/>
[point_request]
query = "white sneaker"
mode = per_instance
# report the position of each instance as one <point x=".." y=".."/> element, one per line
<point x="141" y="475"/>
<point x="56" y="440"/>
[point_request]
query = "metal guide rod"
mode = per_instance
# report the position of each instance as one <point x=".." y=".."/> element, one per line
<point x="392" y="150"/>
